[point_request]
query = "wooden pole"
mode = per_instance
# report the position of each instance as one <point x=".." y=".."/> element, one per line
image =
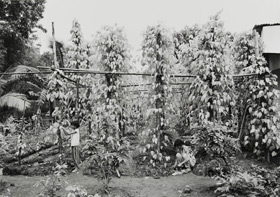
<point x="90" y="71"/>
<point x="77" y="101"/>
<point x="20" y="135"/>
<point x="257" y="51"/>
<point x="26" y="73"/>
<point x="53" y="104"/>
<point x="60" y="146"/>
<point x="54" y="47"/>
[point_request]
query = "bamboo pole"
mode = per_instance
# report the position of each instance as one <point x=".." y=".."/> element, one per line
<point x="77" y="100"/>
<point x="20" y="135"/>
<point x="60" y="145"/>
<point x="53" y="104"/>
<point x="25" y="73"/>
<point x="135" y="85"/>
<point x="146" y="84"/>
<point x="54" y="47"/>
<point x="90" y="71"/>
<point x="257" y="52"/>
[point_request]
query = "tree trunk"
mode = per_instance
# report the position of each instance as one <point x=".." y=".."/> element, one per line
<point x="241" y="131"/>
<point x="60" y="146"/>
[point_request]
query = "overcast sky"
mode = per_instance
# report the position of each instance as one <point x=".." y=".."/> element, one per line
<point x="136" y="15"/>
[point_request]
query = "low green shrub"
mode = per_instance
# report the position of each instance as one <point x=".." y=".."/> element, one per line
<point x="105" y="155"/>
<point x="213" y="149"/>
<point x="257" y="182"/>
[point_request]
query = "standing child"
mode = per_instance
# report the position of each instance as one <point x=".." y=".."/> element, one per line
<point x="75" y="142"/>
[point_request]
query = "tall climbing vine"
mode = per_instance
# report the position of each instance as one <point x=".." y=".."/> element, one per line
<point x="112" y="53"/>
<point x="210" y="98"/>
<point x="244" y="55"/>
<point x="69" y="101"/>
<point x="183" y="40"/>
<point x="57" y="94"/>
<point x="157" y="53"/>
<point x="78" y="57"/>
<point x="259" y="131"/>
<point x="107" y="146"/>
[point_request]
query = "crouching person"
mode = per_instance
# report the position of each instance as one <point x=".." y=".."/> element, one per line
<point x="185" y="160"/>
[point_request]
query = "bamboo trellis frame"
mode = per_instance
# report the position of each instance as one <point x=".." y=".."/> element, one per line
<point x="94" y="72"/>
<point x="50" y="70"/>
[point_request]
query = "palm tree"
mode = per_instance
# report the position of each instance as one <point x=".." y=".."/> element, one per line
<point x="17" y="90"/>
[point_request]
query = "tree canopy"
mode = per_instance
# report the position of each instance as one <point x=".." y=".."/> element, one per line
<point x="17" y="21"/>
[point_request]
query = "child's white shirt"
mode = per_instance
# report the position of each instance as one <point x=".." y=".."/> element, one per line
<point x="75" y="138"/>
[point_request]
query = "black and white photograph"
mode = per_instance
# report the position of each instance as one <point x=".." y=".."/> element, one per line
<point x="139" y="98"/>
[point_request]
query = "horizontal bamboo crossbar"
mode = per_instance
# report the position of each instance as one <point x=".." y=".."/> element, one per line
<point x="26" y="73"/>
<point x="89" y="71"/>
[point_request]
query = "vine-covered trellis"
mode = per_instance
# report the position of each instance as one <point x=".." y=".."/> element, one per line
<point x="101" y="96"/>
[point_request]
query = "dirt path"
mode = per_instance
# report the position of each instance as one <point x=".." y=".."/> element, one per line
<point x="131" y="186"/>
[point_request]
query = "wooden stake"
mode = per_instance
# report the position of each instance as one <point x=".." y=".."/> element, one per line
<point x="77" y="100"/>
<point x="257" y="52"/>
<point x="54" y="47"/>
<point x="20" y="135"/>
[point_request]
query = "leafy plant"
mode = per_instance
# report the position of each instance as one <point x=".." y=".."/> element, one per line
<point x="75" y="191"/>
<point x="112" y="54"/>
<point x="257" y="112"/>
<point x="52" y="183"/>
<point x="255" y="182"/>
<point x="244" y="50"/>
<point x="184" y="40"/>
<point x="214" y="149"/>
<point x="210" y="96"/>
<point x="78" y="57"/>
<point x="60" y="100"/>
<point x="106" y="156"/>
<point x="18" y="20"/>
<point x="263" y="135"/>
<point x="259" y="99"/>
<point x="17" y="91"/>
<point x="3" y="186"/>
<point x="157" y="54"/>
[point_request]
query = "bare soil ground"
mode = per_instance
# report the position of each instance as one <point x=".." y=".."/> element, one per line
<point x="171" y="186"/>
<point x="137" y="182"/>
